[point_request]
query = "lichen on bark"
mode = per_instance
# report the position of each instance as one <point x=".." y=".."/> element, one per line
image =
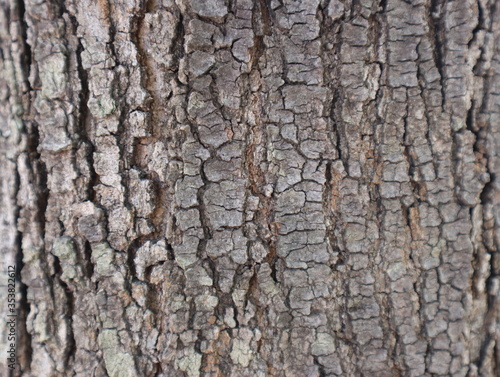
<point x="252" y="188"/>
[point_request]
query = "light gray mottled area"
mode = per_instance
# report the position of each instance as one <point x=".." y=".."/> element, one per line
<point x="252" y="188"/>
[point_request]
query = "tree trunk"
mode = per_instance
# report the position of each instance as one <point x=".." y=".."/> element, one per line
<point x="251" y="188"/>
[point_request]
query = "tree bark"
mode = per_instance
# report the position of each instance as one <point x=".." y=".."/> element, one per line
<point x="252" y="188"/>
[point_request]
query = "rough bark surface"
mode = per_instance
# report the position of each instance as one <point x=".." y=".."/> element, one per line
<point x="252" y="188"/>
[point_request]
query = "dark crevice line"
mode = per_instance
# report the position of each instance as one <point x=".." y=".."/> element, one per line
<point x="108" y="14"/>
<point x="84" y="115"/>
<point x="321" y="368"/>
<point x="256" y="134"/>
<point x="69" y="311"/>
<point x="178" y="42"/>
<point x="26" y="48"/>
<point x="265" y="12"/>
<point x="37" y="174"/>
<point x="331" y="216"/>
<point x="170" y="251"/>
<point x="151" y="106"/>
<point x="491" y="314"/>
<point x="122" y="139"/>
<point x="481" y="24"/>
<point x="200" y="196"/>
<point x="87" y="262"/>
<point x="495" y="360"/>
<point x="330" y="33"/>
<point x="25" y="350"/>
<point x="437" y="38"/>
<point x="267" y="231"/>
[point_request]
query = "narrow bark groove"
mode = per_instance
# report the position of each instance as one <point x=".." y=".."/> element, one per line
<point x="252" y="188"/>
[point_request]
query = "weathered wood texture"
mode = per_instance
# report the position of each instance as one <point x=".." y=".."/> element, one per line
<point x="252" y="188"/>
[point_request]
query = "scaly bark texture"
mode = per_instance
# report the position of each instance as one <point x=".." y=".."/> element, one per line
<point x="252" y="188"/>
